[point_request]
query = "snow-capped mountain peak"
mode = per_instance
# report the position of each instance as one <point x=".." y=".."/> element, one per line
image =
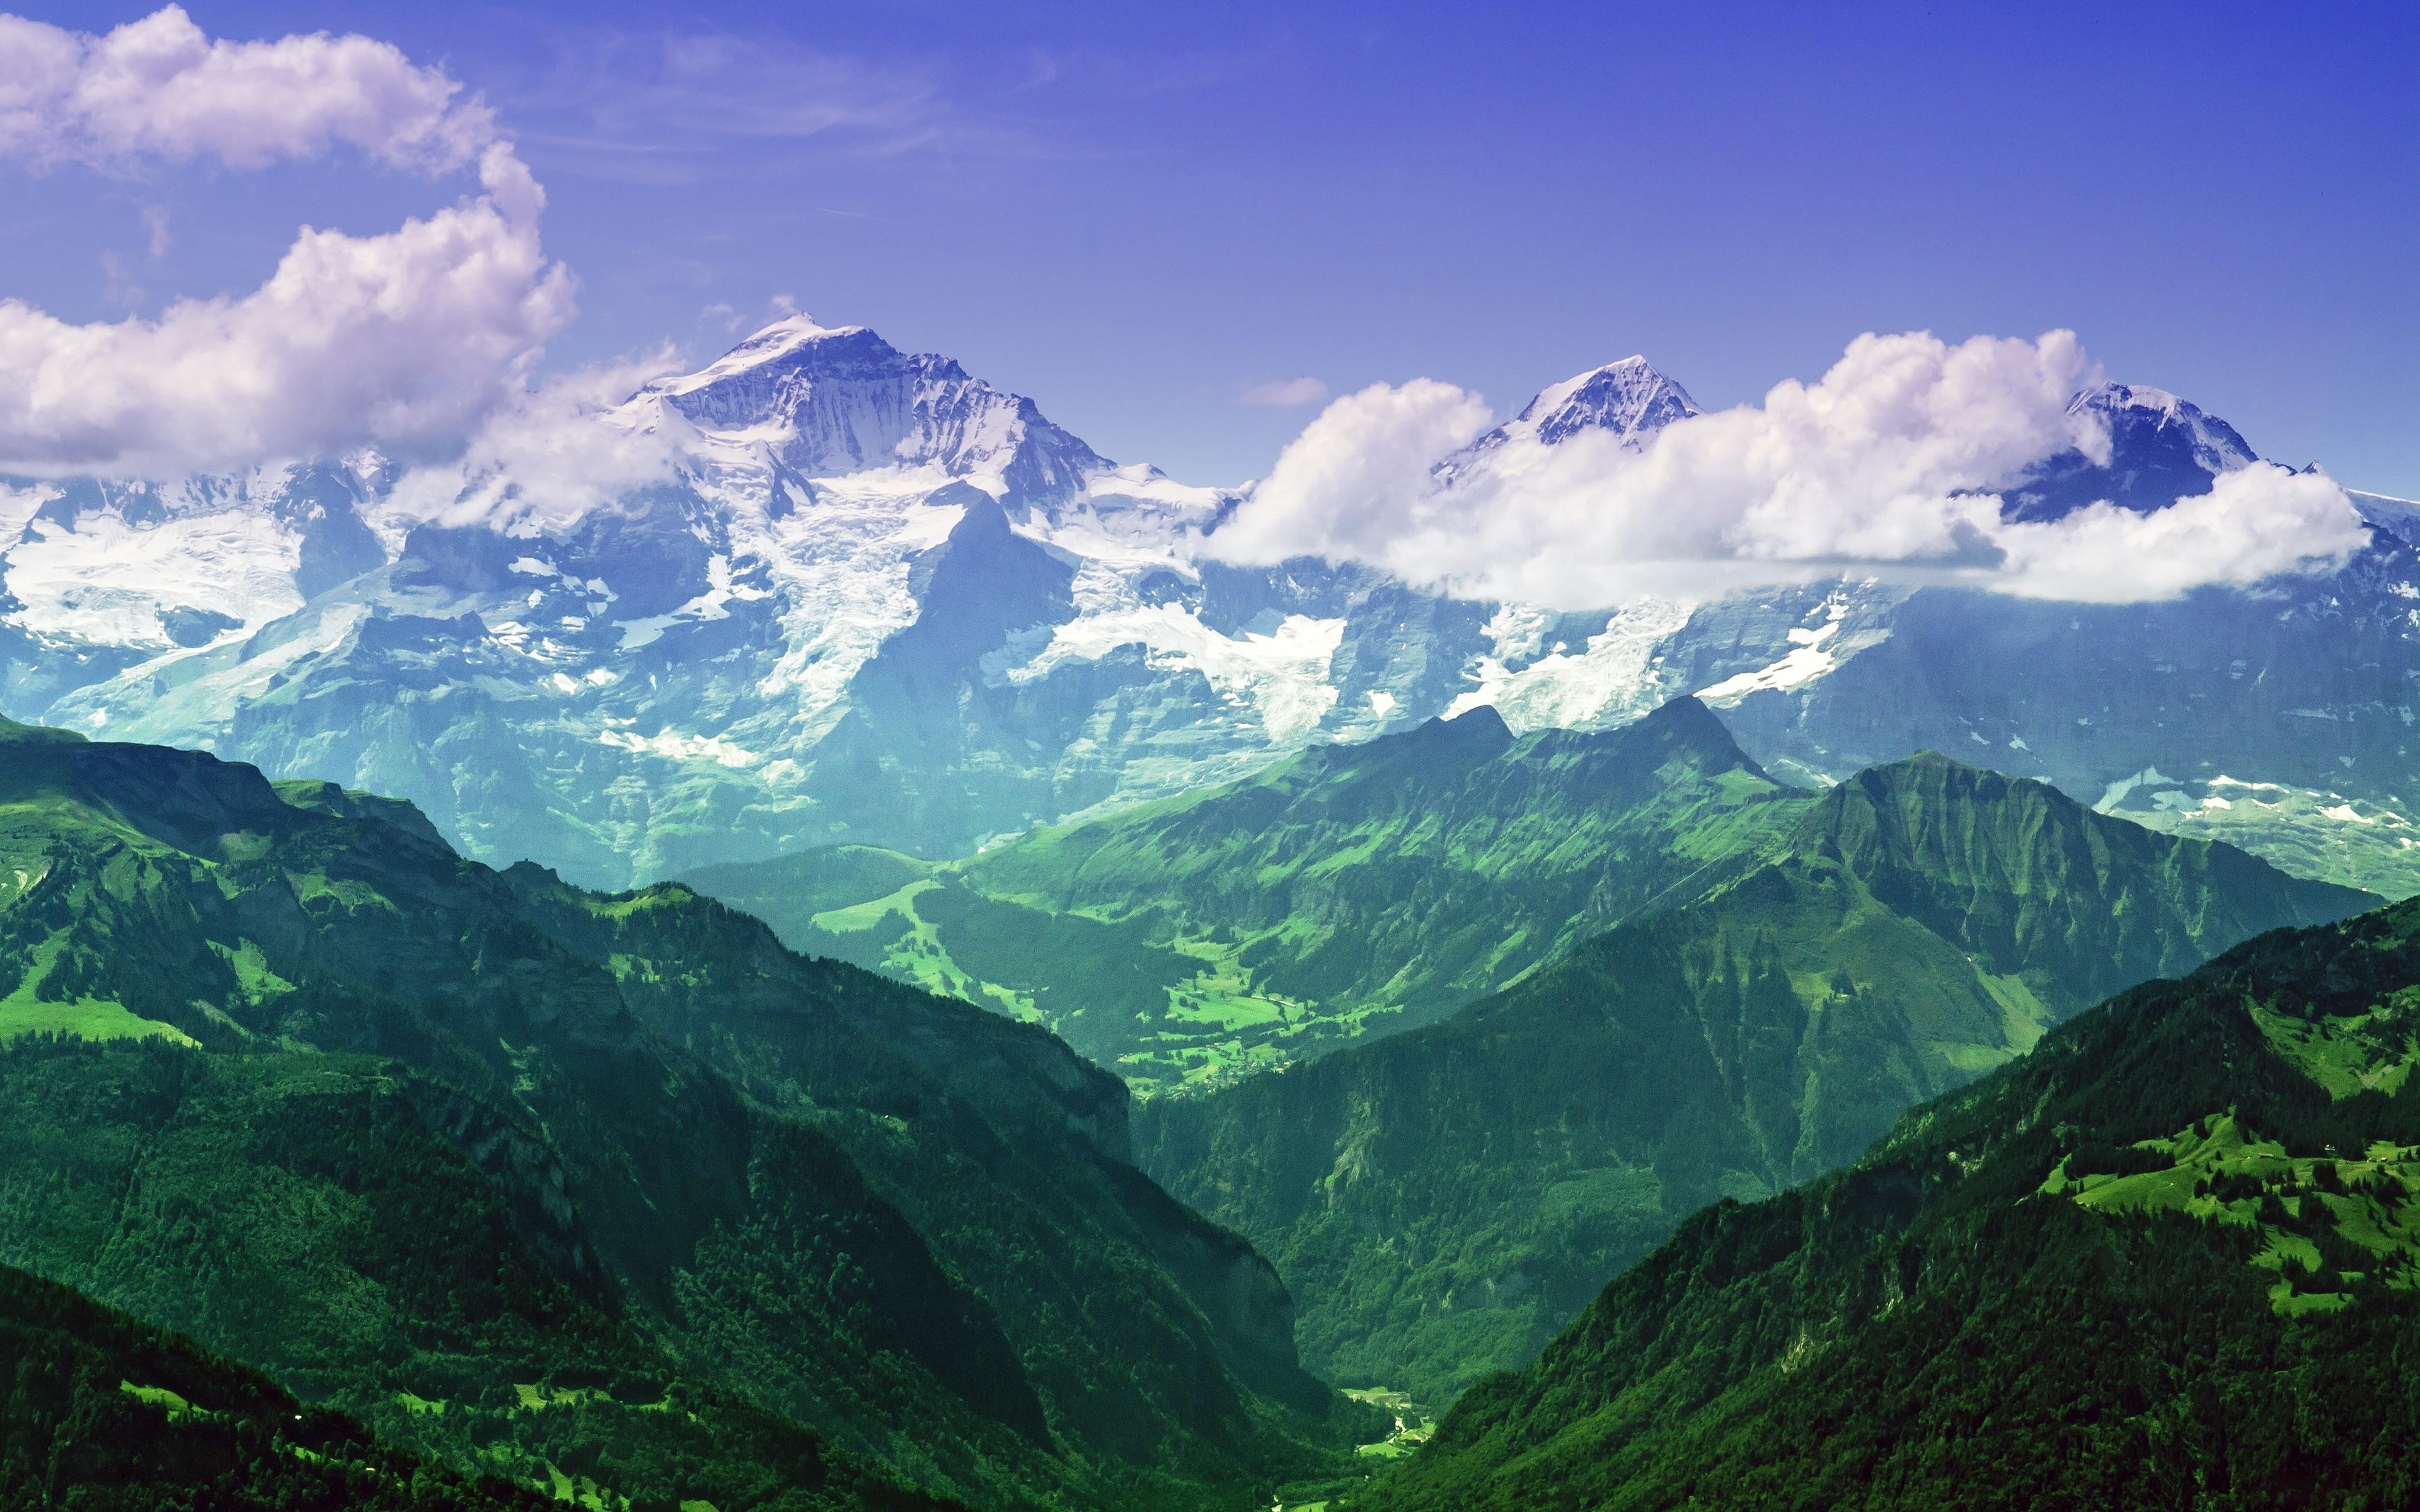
<point x="2161" y="449"/>
<point x="828" y="401"/>
<point x="771" y="344"/>
<point x="2149" y="412"/>
<point x="1630" y="399"/>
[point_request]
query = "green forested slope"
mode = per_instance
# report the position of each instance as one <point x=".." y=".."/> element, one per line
<point x="591" y="1189"/>
<point x="1350" y="889"/>
<point x="2166" y="1260"/>
<point x="1442" y="1200"/>
<point x="97" y="1408"/>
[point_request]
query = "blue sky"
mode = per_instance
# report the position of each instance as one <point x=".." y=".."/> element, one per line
<point x="1137" y="213"/>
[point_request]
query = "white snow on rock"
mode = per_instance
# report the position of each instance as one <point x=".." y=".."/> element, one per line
<point x="1811" y="656"/>
<point x="1614" y="678"/>
<point x="2215" y="444"/>
<point x="1282" y="675"/>
<point x="107" y="582"/>
<point x="672" y="746"/>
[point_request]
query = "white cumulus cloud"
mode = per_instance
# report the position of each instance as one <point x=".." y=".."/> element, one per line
<point x="1356" y="478"/>
<point x="404" y="340"/>
<point x="551" y="454"/>
<point x="159" y="88"/>
<point x="2255" y="522"/>
<point x="1887" y="463"/>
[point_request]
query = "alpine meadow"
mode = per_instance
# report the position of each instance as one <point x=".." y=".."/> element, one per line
<point x="617" y="895"/>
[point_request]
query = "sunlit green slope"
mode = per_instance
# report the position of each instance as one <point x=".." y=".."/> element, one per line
<point x="2168" y="1259"/>
<point x="613" y="1195"/>
<point x="1352" y="889"/>
<point x="1444" y="1199"/>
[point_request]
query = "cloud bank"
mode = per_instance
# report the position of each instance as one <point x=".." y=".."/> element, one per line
<point x="1890" y="464"/>
<point x="404" y="340"/>
<point x="159" y="88"/>
<point x="551" y="454"/>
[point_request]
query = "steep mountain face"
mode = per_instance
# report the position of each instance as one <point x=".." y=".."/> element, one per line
<point x="622" y="1155"/>
<point x="2161" y="448"/>
<point x="2168" y="1258"/>
<point x="102" y="1410"/>
<point x="869" y="598"/>
<point x="1628" y="399"/>
<point x="1442" y="1200"/>
<point x="1352" y="889"/>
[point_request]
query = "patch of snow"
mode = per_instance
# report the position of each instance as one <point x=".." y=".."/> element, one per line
<point x="106" y="581"/>
<point x="1810" y="660"/>
<point x="207" y="685"/>
<point x="18" y="507"/>
<point x="672" y="746"/>
<point x="841" y="576"/>
<point x="1284" y="676"/>
<point x="1614" y="678"/>
<point x="714" y="604"/>
<point x="1517" y="632"/>
<point x="2116" y="792"/>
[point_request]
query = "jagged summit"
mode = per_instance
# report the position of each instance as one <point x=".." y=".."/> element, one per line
<point x="1630" y="398"/>
<point x="2161" y="449"/>
<point x="771" y="344"/>
<point x="2214" y="443"/>
<point x="831" y="400"/>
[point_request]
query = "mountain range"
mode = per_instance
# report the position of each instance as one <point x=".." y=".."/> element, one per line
<point x="865" y="597"/>
<point x="844" y="958"/>
<point x="1442" y="1200"/>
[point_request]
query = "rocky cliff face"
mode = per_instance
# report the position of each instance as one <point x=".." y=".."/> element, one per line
<point x="869" y="597"/>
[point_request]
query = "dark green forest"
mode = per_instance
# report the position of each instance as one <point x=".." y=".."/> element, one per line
<point x="100" y="1410"/>
<point x="613" y="1195"/>
<point x="2166" y="1260"/>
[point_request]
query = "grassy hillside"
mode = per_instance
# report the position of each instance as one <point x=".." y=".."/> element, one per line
<point x="2169" y="1260"/>
<point x="612" y="1194"/>
<point x="97" y="1408"/>
<point x="1443" y="1200"/>
<point x="1352" y="889"/>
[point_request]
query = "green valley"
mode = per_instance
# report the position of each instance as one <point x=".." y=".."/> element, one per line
<point x="1443" y="1200"/>
<point x="1352" y="889"/>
